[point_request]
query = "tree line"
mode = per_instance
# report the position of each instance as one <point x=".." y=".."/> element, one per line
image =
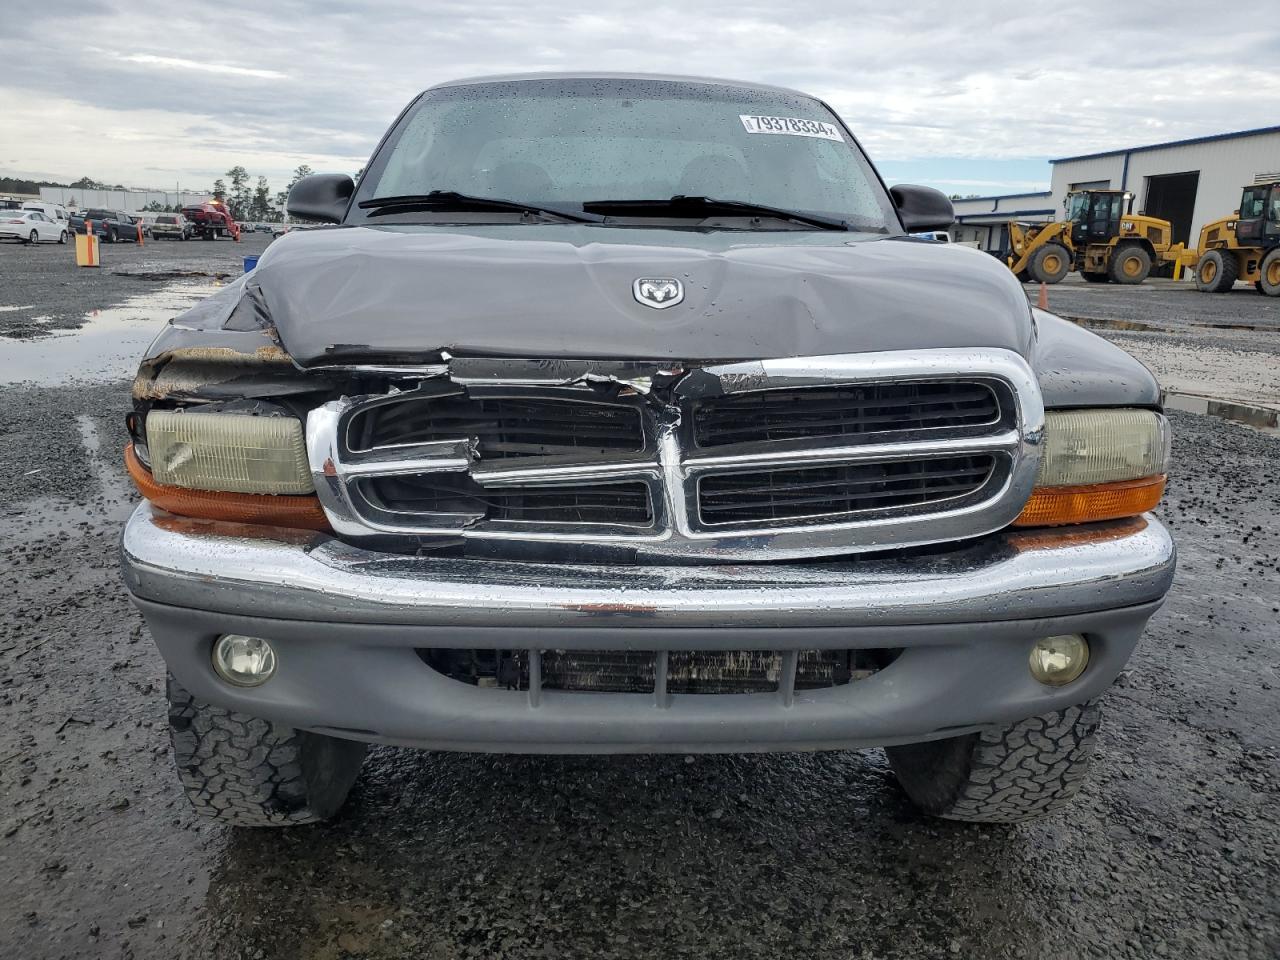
<point x="244" y="201"/>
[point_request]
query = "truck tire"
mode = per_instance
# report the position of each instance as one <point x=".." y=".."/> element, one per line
<point x="1217" y="270"/>
<point x="1130" y="264"/>
<point x="1050" y="263"/>
<point x="1270" y="270"/>
<point x="250" y="772"/>
<point x="1003" y="775"/>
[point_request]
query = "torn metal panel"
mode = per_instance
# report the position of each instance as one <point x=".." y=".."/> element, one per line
<point x="188" y="363"/>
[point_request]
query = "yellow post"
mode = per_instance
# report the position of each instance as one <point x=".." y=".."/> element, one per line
<point x="87" y="250"/>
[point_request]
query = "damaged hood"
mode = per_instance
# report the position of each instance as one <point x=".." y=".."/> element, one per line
<point x="406" y="293"/>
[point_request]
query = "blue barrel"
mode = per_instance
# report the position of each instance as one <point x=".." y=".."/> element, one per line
<point x="250" y="263"/>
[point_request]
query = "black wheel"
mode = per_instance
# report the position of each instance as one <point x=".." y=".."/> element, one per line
<point x="1004" y="775"/>
<point x="1023" y="276"/>
<point x="1217" y="271"/>
<point x="62" y="237"/>
<point x="251" y="772"/>
<point x="1130" y="264"/>
<point x="1050" y="263"/>
<point x="1270" y="270"/>
<point x="113" y="235"/>
<point x="33" y="238"/>
<point x="1095" y="277"/>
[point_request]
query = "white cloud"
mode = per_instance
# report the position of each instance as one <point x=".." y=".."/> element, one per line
<point x="150" y="59"/>
<point x="316" y="81"/>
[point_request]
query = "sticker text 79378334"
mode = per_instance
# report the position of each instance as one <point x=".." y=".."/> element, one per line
<point x="791" y="126"/>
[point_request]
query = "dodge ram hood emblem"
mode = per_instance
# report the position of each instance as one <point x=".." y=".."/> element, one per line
<point x="658" y="292"/>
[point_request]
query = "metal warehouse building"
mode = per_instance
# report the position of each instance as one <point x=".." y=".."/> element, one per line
<point x="1187" y="182"/>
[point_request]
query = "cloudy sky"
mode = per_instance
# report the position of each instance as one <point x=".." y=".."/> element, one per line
<point x="970" y="97"/>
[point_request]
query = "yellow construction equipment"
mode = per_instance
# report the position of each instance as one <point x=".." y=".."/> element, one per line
<point x="1244" y="246"/>
<point x="1098" y="237"/>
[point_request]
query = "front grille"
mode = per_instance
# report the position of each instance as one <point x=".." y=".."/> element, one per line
<point x="624" y="504"/>
<point x="842" y="411"/>
<point x="502" y="426"/>
<point x="742" y="462"/>
<point x="827" y="491"/>
<point x="636" y="671"/>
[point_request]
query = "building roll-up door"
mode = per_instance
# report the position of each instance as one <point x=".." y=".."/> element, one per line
<point x="1172" y="197"/>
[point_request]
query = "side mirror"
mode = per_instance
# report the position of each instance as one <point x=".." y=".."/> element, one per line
<point x="921" y="208"/>
<point x="321" y="196"/>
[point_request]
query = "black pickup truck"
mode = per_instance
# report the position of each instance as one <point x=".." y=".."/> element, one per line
<point x="110" y="225"/>
<point x="624" y="414"/>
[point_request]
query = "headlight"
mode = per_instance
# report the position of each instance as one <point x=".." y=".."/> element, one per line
<point x="227" y="466"/>
<point x="232" y="452"/>
<point x="1098" y="465"/>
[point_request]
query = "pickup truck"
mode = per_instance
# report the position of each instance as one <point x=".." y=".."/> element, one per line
<point x="211" y="220"/>
<point x="623" y="414"/>
<point x="109" y="225"/>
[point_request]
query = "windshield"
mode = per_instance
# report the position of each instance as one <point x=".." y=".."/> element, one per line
<point x="1076" y="207"/>
<point x="166" y="219"/>
<point x="569" y="142"/>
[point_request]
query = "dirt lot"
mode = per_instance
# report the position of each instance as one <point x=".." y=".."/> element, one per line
<point x="1173" y="849"/>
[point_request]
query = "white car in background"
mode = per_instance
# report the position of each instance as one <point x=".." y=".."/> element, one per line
<point x="54" y="211"/>
<point x="31" y="226"/>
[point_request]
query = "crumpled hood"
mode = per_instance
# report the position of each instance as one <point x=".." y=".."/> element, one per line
<point x="404" y="294"/>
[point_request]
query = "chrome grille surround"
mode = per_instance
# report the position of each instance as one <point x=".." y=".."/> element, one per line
<point x="670" y="465"/>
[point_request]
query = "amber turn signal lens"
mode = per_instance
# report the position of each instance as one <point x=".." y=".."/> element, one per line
<point x="280" y="510"/>
<point x="1055" y="506"/>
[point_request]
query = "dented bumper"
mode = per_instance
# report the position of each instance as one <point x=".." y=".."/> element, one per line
<point x="348" y="626"/>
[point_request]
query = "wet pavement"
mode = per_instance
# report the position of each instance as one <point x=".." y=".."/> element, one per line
<point x="1172" y="849"/>
<point x="1220" y="346"/>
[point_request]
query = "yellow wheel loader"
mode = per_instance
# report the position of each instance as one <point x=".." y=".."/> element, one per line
<point x="1244" y="246"/>
<point x="1098" y="238"/>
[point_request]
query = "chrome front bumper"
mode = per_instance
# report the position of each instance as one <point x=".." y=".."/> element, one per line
<point x="347" y="622"/>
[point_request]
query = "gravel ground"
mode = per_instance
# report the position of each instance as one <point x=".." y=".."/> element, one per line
<point x="1172" y="850"/>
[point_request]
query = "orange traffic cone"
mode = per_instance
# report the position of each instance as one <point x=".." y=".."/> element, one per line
<point x="1044" y="296"/>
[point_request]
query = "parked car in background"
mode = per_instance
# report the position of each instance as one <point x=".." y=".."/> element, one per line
<point x="110" y="225"/>
<point x="263" y="228"/>
<point x="54" y="211"/>
<point x="172" y="226"/>
<point x="30" y="226"/>
<point x="212" y="220"/>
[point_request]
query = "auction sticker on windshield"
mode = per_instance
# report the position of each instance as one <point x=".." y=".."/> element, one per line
<point x="790" y="126"/>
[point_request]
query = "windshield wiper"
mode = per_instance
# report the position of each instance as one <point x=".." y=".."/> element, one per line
<point x="452" y="200"/>
<point x="681" y="205"/>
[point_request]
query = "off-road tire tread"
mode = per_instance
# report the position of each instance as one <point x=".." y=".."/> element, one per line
<point x="252" y="772"/>
<point x="1228" y="273"/>
<point x="1117" y="275"/>
<point x="1037" y="271"/>
<point x="1003" y="775"/>
<point x="1264" y="288"/>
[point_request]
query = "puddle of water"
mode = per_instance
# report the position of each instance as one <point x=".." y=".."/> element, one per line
<point x="1139" y="326"/>
<point x="107" y="347"/>
<point x="1260" y="418"/>
<point x="10" y="309"/>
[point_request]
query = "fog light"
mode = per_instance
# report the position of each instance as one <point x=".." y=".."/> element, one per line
<point x="244" y="661"/>
<point x="1059" y="660"/>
